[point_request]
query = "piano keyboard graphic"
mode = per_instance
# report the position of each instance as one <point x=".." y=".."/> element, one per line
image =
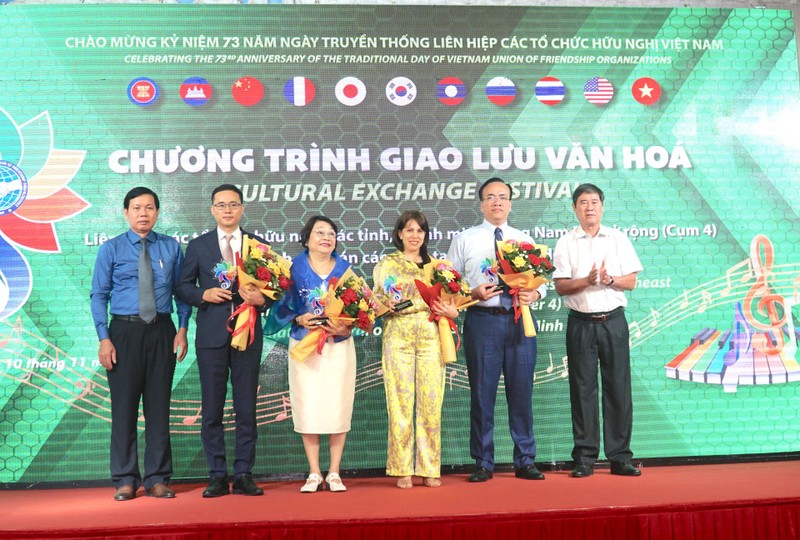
<point x="730" y="359"/>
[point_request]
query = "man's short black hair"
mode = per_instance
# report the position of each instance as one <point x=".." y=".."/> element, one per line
<point x="493" y="180"/>
<point x="227" y="187"/>
<point x="586" y="188"/>
<point x="138" y="192"/>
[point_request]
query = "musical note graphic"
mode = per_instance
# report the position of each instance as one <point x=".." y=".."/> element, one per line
<point x="705" y="301"/>
<point x="191" y="419"/>
<point x="753" y="351"/>
<point x="286" y="404"/>
<point x="86" y="388"/>
<point x="746" y="275"/>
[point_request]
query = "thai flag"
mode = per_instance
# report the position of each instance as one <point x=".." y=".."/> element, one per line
<point x="299" y="91"/>
<point x="550" y="90"/>
<point x="598" y="90"/>
<point x="501" y="91"/>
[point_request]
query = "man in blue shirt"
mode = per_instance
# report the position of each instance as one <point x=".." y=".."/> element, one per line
<point x="135" y="274"/>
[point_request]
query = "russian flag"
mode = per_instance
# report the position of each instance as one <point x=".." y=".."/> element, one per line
<point x="299" y="91"/>
<point x="501" y="91"/>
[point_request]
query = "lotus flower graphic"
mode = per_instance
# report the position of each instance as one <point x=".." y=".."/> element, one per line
<point x="33" y="197"/>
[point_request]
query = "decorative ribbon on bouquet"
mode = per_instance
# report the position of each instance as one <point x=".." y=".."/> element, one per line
<point x="461" y="300"/>
<point x="514" y="256"/>
<point x="271" y="279"/>
<point x="348" y="300"/>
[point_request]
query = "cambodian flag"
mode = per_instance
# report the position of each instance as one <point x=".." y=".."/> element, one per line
<point x="451" y="91"/>
<point x="299" y="91"/>
<point x="550" y="90"/>
<point x="501" y="91"/>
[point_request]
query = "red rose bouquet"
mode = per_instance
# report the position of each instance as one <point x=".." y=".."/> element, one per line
<point x="269" y="273"/>
<point x="525" y="266"/>
<point x="448" y="284"/>
<point x="348" y="299"/>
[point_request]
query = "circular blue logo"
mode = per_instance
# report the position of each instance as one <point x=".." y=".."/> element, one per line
<point x="13" y="187"/>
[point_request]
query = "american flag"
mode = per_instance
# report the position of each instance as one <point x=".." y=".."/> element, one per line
<point x="598" y="90"/>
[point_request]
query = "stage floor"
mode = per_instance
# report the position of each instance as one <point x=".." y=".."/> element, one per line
<point x="92" y="512"/>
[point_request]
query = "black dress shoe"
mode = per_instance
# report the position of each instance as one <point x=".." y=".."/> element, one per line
<point x="529" y="472"/>
<point x="244" y="485"/>
<point x="582" y="471"/>
<point x="125" y="493"/>
<point x="160" y="491"/>
<point x="217" y="488"/>
<point x="481" y="474"/>
<point x="624" y="469"/>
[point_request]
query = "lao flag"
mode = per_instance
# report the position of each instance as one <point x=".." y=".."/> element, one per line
<point x="550" y="90"/>
<point x="501" y="91"/>
<point x="195" y="91"/>
<point x="299" y="91"/>
<point x="646" y="91"/>
<point x="451" y="91"/>
<point x="598" y="90"/>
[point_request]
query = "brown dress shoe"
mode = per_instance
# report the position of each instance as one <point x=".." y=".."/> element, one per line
<point x="160" y="491"/>
<point x="125" y="493"/>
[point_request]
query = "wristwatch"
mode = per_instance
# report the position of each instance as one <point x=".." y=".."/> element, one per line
<point x="611" y="281"/>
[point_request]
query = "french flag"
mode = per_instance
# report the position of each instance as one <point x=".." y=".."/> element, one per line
<point x="299" y="91"/>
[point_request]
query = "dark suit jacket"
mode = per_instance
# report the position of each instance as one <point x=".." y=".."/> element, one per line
<point x="197" y="275"/>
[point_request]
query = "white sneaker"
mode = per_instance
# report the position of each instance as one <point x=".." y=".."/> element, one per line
<point x="334" y="482"/>
<point x="313" y="484"/>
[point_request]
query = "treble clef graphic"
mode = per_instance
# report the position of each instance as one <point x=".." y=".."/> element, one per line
<point x="768" y="303"/>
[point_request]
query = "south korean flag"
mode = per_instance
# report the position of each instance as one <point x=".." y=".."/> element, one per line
<point x="401" y="91"/>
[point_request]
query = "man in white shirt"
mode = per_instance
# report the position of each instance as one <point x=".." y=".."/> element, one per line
<point x="594" y="266"/>
<point x="493" y="342"/>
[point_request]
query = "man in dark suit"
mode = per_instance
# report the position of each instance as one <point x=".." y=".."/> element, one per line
<point x="216" y="359"/>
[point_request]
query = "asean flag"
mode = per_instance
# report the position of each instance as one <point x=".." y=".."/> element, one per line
<point x="143" y="91"/>
<point x="451" y="91"/>
<point x="247" y="91"/>
<point x="350" y="91"/>
<point x="550" y="91"/>
<point x="299" y="91"/>
<point x="501" y="91"/>
<point x="646" y="91"/>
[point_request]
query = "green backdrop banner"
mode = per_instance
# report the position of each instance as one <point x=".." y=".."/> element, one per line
<point x="687" y="118"/>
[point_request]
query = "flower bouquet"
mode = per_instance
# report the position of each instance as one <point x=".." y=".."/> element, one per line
<point x="269" y="273"/>
<point x="525" y="266"/>
<point x="348" y="299"/>
<point x="448" y="284"/>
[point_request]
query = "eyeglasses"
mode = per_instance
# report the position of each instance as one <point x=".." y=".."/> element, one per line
<point x="492" y="198"/>
<point x="325" y="234"/>
<point x="223" y="206"/>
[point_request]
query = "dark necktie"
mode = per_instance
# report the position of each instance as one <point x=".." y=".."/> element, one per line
<point x="505" y="298"/>
<point x="147" y="295"/>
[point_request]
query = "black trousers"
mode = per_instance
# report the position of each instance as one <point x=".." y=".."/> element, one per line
<point x="608" y="342"/>
<point x="215" y="366"/>
<point x="144" y="369"/>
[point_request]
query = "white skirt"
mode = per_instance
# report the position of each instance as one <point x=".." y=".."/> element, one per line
<point x="322" y="388"/>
